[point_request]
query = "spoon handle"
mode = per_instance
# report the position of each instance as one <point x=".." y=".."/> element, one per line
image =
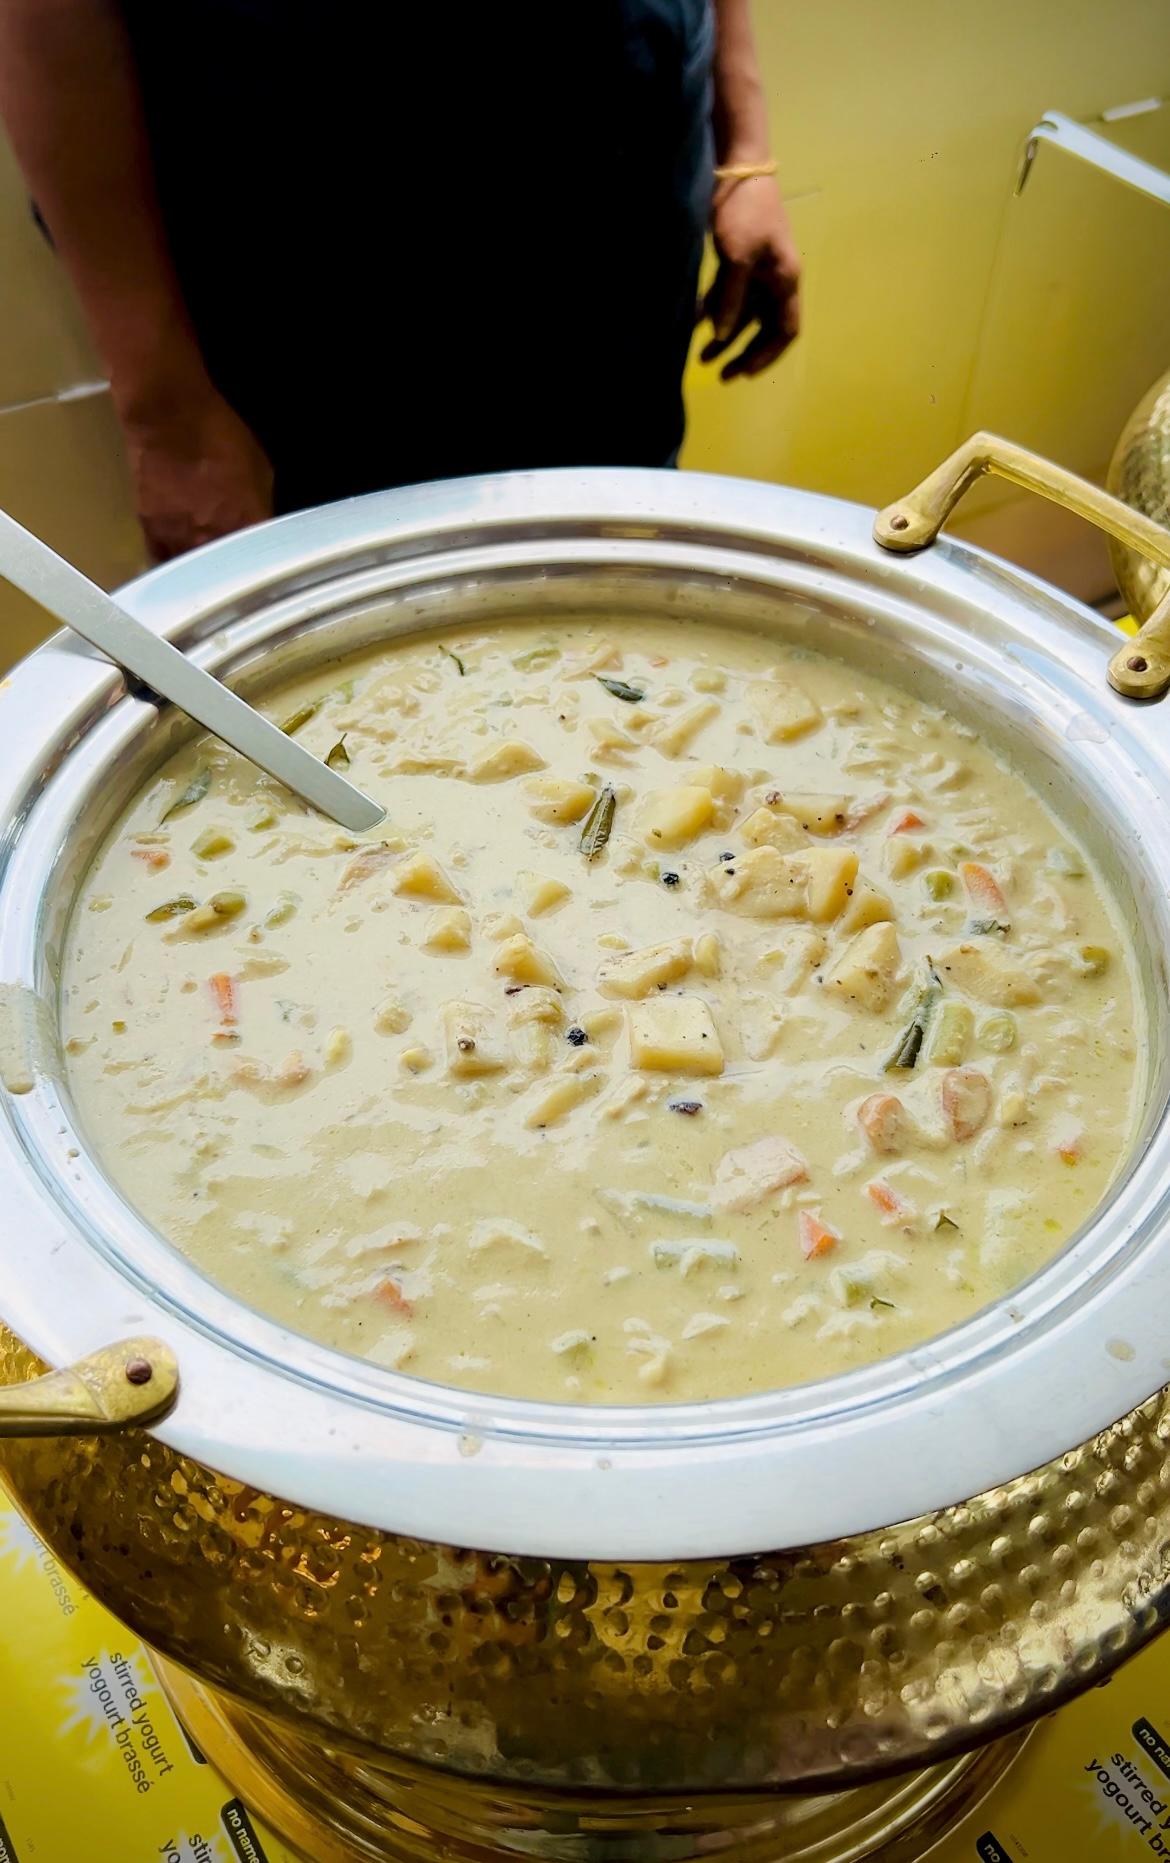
<point x="69" y="596"/>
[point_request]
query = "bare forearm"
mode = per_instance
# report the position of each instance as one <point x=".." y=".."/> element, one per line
<point x="69" y="96"/>
<point x="740" y="113"/>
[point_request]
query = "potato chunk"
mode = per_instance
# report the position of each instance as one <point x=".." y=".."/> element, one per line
<point x="762" y="884"/>
<point x="788" y="964"/>
<point x="511" y="758"/>
<point x="391" y="1017"/>
<point x="765" y="884"/>
<point x="900" y="856"/>
<point x="674" y="1035"/>
<point x="540" y="893"/>
<point x="867" y="906"/>
<point x="831" y="873"/>
<point x="823" y="815"/>
<point x="539" y="1004"/>
<point x="725" y="785"/>
<point x="867" y="968"/>
<point x="673" y="733"/>
<point x="989" y="974"/>
<point x="535" y="1016"/>
<point x="500" y="925"/>
<point x="708" y="954"/>
<point x="744" y="1177"/>
<point x="449" y="929"/>
<point x="519" y="959"/>
<point x="422" y="878"/>
<point x="639" y="972"/>
<point x="564" y="1094"/>
<point x="782" y="711"/>
<point x="473" y="1047"/>
<point x="557" y="799"/>
<point x="670" y="817"/>
<point x="769" y="827"/>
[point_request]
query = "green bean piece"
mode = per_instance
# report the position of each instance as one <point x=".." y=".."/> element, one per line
<point x="950" y="1035"/>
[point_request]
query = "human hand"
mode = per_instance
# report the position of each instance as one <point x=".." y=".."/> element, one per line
<point x="198" y="473"/>
<point x="758" y="281"/>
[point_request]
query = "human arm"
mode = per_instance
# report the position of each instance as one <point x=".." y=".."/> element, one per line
<point x="69" y="96"/>
<point x="758" y="280"/>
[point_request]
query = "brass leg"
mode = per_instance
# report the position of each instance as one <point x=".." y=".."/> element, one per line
<point x="336" y="1808"/>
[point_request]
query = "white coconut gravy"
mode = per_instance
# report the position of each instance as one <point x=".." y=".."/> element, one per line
<point x="705" y="1017"/>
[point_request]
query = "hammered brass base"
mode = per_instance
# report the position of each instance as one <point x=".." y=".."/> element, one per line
<point x="336" y="1808"/>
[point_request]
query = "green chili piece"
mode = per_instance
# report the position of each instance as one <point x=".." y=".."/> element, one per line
<point x="598" y="824"/>
<point x="618" y="689"/>
<point x="172" y="909"/>
<point x="195" y="791"/>
<point x="909" y="1046"/>
<point x="300" y="717"/>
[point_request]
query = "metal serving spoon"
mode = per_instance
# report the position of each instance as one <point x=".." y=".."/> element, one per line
<point x="70" y="597"/>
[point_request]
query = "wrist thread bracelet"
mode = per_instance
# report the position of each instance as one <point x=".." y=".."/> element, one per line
<point x="745" y="171"/>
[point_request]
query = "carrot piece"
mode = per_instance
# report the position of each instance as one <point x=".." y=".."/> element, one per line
<point x="156" y="858"/>
<point x="223" y="989"/>
<point x="888" y="1200"/>
<point x="966" y="1101"/>
<point x="983" y="890"/>
<point x="911" y="819"/>
<point x="882" y="1119"/>
<point x="389" y="1294"/>
<point x="1070" y="1151"/>
<point x="816" y="1238"/>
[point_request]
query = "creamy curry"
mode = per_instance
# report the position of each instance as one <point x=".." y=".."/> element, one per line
<point x="705" y="1017"/>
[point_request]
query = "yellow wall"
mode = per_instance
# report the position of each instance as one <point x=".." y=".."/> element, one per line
<point x="934" y="302"/>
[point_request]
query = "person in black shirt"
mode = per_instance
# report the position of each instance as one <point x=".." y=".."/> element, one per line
<point x="325" y="250"/>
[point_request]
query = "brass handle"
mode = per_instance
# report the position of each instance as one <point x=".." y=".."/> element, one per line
<point x="1138" y="670"/>
<point x="118" y="1388"/>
